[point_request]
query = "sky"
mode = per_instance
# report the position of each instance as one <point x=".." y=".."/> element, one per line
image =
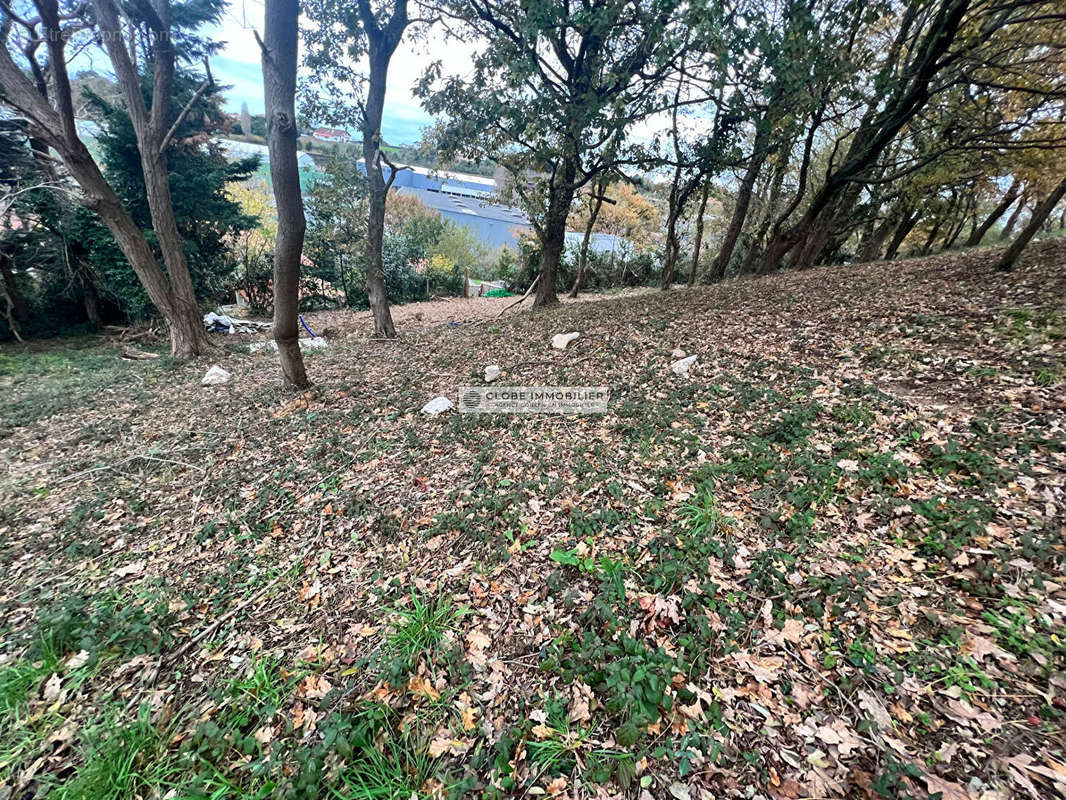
<point x="239" y="67"/>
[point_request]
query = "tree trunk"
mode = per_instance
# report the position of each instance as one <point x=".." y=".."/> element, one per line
<point x="280" y="45"/>
<point x="582" y="259"/>
<point x="16" y="311"/>
<point x="83" y="279"/>
<point x="1040" y="214"/>
<point x="874" y="237"/>
<point x="755" y="244"/>
<point x="740" y="213"/>
<point x="151" y="127"/>
<point x="927" y="248"/>
<point x="187" y="337"/>
<point x="698" y="243"/>
<point x="192" y="339"/>
<point x="814" y="242"/>
<point x="906" y="225"/>
<point x="956" y="229"/>
<point x="553" y="234"/>
<point x="382" y="42"/>
<point x="1012" y="220"/>
<point x="672" y="248"/>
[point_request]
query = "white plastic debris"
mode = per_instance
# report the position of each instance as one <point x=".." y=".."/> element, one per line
<point x="492" y="372"/>
<point x="438" y="405"/>
<point x="561" y="340"/>
<point x="683" y="366"/>
<point x="222" y="323"/>
<point x="270" y="346"/>
<point x="215" y="376"/>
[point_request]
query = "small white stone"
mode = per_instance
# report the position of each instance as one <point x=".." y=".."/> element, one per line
<point x="215" y="376"/>
<point x="492" y="372"/>
<point x="561" y="340"/>
<point x="683" y="366"/>
<point x="438" y="405"/>
<point x="678" y="353"/>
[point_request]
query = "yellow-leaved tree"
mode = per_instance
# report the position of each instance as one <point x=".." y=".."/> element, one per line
<point x="253" y="249"/>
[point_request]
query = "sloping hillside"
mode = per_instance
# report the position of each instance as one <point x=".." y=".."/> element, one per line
<point x="828" y="562"/>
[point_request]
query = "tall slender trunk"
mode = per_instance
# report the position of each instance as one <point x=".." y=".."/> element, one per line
<point x="382" y="41"/>
<point x="874" y="235"/>
<point x="1012" y="220"/>
<point x="1040" y="214"/>
<point x="755" y="245"/>
<point x="582" y="258"/>
<point x="740" y="213"/>
<point x="698" y="243"/>
<point x="280" y="45"/>
<point x="375" y="233"/>
<point x="673" y="247"/>
<point x="956" y="228"/>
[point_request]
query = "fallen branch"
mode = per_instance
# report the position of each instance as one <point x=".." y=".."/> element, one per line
<point x="520" y="299"/>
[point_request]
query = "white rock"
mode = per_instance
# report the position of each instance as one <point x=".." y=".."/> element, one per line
<point x="318" y="343"/>
<point x="438" y="405"/>
<point x="215" y="376"/>
<point x="561" y="340"/>
<point x="683" y="366"/>
<point x="678" y="353"/>
<point x="492" y="372"/>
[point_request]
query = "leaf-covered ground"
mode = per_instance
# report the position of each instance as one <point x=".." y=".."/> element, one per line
<point x="827" y="563"/>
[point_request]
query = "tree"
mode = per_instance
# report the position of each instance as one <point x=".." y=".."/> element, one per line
<point x="1040" y="215"/>
<point x="140" y="40"/>
<point x="960" y="77"/>
<point x="998" y="211"/>
<point x="593" y="202"/>
<point x="279" y="47"/>
<point x="344" y="34"/>
<point x="701" y="212"/>
<point x="549" y="95"/>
